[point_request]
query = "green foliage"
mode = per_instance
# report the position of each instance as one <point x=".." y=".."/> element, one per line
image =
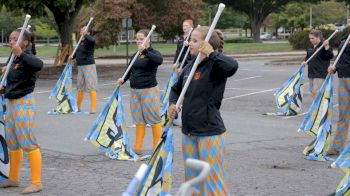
<point x="64" y="12"/>
<point x="294" y="15"/>
<point x="300" y="39"/>
<point x="44" y="30"/>
<point x="9" y="22"/>
<point x="230" y="18"/>
<point x="297" y="15"/>
<point x="257" y="10"/>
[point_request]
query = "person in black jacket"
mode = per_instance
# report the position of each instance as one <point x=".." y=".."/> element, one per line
<point x="20" y="111"/>
<point x="144" y="96"/>
<point x="186" y="27"/>
<point x="87" y="76"/>
<point x="317" y="67"/>
<point x="343" y="68"/>
<point x="203" y="129"/>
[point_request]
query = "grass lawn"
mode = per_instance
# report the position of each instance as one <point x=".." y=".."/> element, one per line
<point x="169" y="49"/>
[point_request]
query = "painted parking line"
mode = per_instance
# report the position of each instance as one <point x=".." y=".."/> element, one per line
<point x="248" y="78"/>
<point x="249" y="94"/>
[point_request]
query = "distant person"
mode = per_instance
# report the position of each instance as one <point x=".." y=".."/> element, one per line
<point x="144" y="95"/>
<point x="186" y="28"/>
<point x="87" y="76"/>
<point x="343" y="69"/>
<point x="20" y="111"/>
<point x="317" y="67"/>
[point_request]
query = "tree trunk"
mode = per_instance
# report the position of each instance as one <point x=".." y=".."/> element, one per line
<point x="256" y="22"/>
<point x="276" y="32"/>
<point x="256" y="31"/>
<point x="65" y="28"/>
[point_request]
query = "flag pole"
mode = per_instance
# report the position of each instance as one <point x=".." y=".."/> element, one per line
<point x="80" y="39"/>
<point x="19" y="39"/>
<point x="199" y="56"/>
<point x="182" y="49"/>
<point x="187" y="53"/>
<point x="341" y="51"/>
<point x="138" y="52"/>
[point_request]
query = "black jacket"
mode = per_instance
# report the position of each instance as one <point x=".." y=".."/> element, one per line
<point x="143" y="73"/>
<point x="317" y="67"/>
<point x="85" y="52"/>
<point x="343" y="65"/>
<point x="202" y="101"/>
<point x="180" y="43"/>
<point x="22" y="75"/>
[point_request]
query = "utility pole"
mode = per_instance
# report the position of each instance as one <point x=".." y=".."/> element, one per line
<point x="209" y="12"/>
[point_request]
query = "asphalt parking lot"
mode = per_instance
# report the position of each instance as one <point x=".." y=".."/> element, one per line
<point x="264" y="153"/>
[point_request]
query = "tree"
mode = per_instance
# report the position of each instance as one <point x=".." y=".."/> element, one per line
<point x="297" y="15"/>
<point x="64" y="12"/>
<point x="257" y="11"/>
<point x="166" y="14"/>
<point x="107" y="24"/>
<point x="230" y="18"/>
<point x="337" y="13"/>
<point x="9" y="22"/>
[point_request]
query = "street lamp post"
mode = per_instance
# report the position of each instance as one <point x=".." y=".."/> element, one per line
<point x="310" y="17"/>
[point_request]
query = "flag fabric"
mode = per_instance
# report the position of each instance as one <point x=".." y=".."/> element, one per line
<point x="164" y="98"/>
<point x="63" y="93"/>
<point x="343" y="162"/>
<point x="109" y="132"/>
<point x="4" y="153"/>
<point x="343" y="188"/>
<point x="158" y="178"/>
<point x="290" y="96"/>
<point x="318" y="122"/>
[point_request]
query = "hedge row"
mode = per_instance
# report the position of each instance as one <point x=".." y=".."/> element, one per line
<point x="300" y="39"/>
<point x="239" y="40"/>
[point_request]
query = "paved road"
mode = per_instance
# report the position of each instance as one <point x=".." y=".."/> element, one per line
<point x="264" y="153"/>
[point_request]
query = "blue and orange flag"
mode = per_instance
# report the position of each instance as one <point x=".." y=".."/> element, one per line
<point x="158" y="178"/>
<point x="318" y="122"/>
<point x="343" y="162"/>
<point x="290" y="96"/>
<point x="63" y="93"/>
<point x="164" y="98"/>
<point x="109" y="132"/>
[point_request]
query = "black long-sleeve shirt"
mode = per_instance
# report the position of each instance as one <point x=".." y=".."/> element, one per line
<point x="343" y="65"/>
<point x="22" y="75"/>
<point x="180" y="43"/>
<point x="318" y="66"/>
<point x="202" y="101"/>
<point x="85" y="52"/>
<point x="143" y="73"/>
